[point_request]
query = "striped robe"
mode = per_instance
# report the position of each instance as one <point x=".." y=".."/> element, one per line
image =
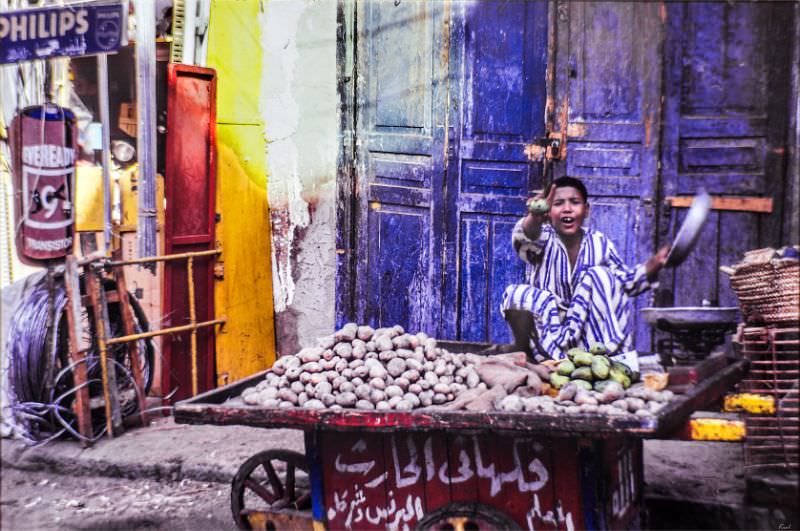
<point x="580" y="307"/>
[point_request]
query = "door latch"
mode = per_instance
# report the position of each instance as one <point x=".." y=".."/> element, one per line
<point x="547" y="148"/>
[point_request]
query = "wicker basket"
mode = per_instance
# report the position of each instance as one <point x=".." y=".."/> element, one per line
<point x="768" y="292"/>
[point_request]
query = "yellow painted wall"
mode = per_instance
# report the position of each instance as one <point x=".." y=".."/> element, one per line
<point x="243" y="296"/>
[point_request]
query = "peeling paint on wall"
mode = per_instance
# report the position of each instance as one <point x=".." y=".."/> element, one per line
<point x="299" y="107"/>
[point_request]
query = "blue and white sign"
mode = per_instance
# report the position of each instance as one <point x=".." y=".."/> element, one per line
<point x="88" y="28"/>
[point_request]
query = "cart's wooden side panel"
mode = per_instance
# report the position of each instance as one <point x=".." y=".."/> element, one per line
<point x="566" y="477"/>
<point x="355" y="487"/>
<point x="437" y="480"/>
<point x="394" y="480"/>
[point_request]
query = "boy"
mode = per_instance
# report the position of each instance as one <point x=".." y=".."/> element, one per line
<point x="579" y="289"/>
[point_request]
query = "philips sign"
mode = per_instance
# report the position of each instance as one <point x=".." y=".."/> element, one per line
<point x="72" y="30"/>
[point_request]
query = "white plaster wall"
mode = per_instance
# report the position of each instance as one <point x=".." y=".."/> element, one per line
<point x="299" y="106"/>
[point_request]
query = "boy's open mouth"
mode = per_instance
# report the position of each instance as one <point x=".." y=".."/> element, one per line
<point x="567" y="220"/>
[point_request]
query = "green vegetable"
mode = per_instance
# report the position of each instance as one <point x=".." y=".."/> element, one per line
<point x="622" y="368"/>
<point x="538" y="206"/>
<point x="598" y="348"/>
<point x="571" y="353"/>
<point x="619" y="377"/>
<point x="583" y="384"/>
<point x="582" y="359"/>
<point x="600" y="367"/>
<point x="582" y="373"/>
<point x="565" y="368"/>
<point x="558" y="381"/>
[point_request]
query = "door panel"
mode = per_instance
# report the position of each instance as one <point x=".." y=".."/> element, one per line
<point x="189" y="224"/>
<point x="609" y="81"/>
<point x="400" y="163"/>
<point x="725" y="86"/>
<point x="498" y="109"/>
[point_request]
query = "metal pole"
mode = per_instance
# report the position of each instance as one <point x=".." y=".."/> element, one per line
<point x="102" y="83"/>
<point x="192" y="317"/>
<point x="164" y="331"/>
<point x="146" y="124"/>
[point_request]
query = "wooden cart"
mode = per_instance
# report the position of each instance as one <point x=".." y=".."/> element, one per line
<point x="437" y="469"/>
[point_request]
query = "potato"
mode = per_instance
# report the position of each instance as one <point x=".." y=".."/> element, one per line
<point x="396" y="366"/>
<point x="347" y="333"/>
<point x="394" y="390"/>
<point x="364" y="333"/>
<point x="364" y="404"/>
<point x="346" y="399"/>
<point x="376" y="396"/>
<point x="439" y="398"/>
<point x="310" y="354"/>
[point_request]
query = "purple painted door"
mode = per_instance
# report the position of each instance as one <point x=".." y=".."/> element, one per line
<point x="497" y="109"/>
<point x="607" y="76"/>
<point x="726" y="101"/>
<point x="401" y="90"/>
<point x="447" y="97"/>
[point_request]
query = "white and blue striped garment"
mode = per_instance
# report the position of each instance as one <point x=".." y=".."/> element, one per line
<point x="580" y="307"/>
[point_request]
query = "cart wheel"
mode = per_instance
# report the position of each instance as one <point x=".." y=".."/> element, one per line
<point x="465" y="517"/>
<point x="257" y="486"/>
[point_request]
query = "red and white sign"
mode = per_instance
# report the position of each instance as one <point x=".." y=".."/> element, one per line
<point x="43" y="140"/>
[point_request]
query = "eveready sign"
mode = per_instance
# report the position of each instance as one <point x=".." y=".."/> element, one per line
<point x="43" y="145"/>
<point x="71" y="30"/>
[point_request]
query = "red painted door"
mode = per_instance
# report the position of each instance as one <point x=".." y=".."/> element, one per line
<point x="189" y="223"/>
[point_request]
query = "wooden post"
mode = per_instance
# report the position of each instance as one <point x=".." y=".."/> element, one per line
<point x="79" y="370"/>
<point x="129" y="328"/>
<point x="103" y="331"/>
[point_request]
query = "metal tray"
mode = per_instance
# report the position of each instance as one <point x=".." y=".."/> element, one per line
<point x="223" y="407"/>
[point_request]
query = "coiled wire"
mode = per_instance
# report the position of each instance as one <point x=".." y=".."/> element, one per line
<point x="40" y="402"/>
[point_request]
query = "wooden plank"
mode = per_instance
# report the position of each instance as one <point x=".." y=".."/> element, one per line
<point x="739" y="203"/>
<point x="692" y="374"/>
<point x="129" y="328"/>
<point x="437" y="487"/>
<point x="74" y="332"/>
<point x="102" y="333"/>
<point x="461" y="467"/>
<point x="405" y="487"/>
<point x="564" y="478"/>
<point x="356" y="489"/>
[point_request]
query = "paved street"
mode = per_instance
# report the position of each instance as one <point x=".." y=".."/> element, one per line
<point x="43" y="501"/>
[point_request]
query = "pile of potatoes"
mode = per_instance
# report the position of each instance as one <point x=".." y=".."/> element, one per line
<point x="359" y="367"/>
<point x="573" y="399"/>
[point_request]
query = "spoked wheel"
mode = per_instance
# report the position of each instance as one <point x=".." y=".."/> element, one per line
<point x="258" y="485"/>
<point x="466" y="517"/>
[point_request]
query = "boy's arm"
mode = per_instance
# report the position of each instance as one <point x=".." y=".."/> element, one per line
<point x="528" y="240"/>
<point x="635" y="280"/>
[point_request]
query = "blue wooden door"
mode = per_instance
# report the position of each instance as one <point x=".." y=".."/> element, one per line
<point x="448" y="95"/>
<point x="498" y="58"/>
<point x="607" y="102"/>
<point x="401" y="91"/>
<point x="726" y="100"/>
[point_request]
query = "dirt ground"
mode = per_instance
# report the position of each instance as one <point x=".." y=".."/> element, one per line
<point x="41" y="501"/>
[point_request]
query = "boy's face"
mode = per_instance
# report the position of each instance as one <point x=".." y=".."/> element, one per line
<point x="568" y="210"/>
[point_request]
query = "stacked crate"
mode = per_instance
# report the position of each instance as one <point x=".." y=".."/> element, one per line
<point x="774" y="354"/>
<point x="768" y="288"/>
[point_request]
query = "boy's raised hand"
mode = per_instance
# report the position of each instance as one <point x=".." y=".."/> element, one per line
<point x="657" y="262"/>
<point x="539" y="205"/>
